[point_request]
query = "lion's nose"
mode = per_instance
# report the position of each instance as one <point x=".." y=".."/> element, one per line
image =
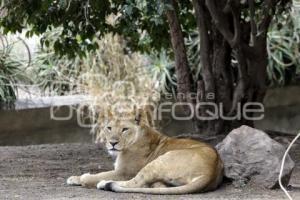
<point x="113" y="143"/>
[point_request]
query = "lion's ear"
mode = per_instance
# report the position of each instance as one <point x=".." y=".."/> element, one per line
<point x="138" y="116"/>
<point x="143" y="116"/>
<point x="149" y="114"/>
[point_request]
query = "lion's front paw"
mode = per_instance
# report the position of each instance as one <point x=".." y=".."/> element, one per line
<point x="86" y="180"/>
<point x="74" y="180"/>
<point x="103" y="185"/>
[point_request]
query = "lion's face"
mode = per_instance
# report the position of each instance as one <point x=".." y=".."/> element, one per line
<point x="118" y="135"/>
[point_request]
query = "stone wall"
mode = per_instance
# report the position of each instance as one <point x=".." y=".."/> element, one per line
<point x="31" y="122"/>
<point x="282" y="110"/>
<point x="282" y="113"/>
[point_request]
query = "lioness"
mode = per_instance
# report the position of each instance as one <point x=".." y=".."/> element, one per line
<point x="150" y="162"/>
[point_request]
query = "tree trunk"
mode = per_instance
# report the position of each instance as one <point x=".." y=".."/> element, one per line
<point x="216" y="71"/>
<point x="224" y="36"/>
<point x="181" y="61"/>
<point x="233" y="86"/>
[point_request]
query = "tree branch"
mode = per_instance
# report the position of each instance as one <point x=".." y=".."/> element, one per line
<point x="204" y="26"/>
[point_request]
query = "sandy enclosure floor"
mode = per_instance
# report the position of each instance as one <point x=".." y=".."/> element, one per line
<point x="39" y="172"/>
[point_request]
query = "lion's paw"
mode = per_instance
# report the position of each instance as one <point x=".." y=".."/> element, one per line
<point x="102" y="185"/>
<point x="74" y="180"/>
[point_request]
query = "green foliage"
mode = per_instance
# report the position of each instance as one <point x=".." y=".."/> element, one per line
<point x="283" y="43"/>
<point x="11" y="72"/>
<point x="59" y="75"/>
<point x="142" y="23"/>
<point x="284" y="50"/>
<point x="54" y="75"/>
<point x="80" y="20"/>
<point x="162" y="70"/>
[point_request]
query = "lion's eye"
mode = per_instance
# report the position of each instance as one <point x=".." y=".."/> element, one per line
<point x="109" y="128"/>
<point x="124" y="129"/>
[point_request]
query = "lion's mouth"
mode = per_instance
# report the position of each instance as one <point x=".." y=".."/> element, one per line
<point x="113" y="149"/>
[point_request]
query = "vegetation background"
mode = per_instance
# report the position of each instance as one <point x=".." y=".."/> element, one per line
<point x="130" y="40"/>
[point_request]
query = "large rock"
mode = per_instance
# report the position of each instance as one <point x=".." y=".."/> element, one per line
<point x="250" y="154"/>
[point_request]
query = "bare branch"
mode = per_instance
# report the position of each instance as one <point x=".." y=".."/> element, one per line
<point x="234" y="6"/>
<point x="243" y="80"/>
<point x="203" y="23"/>
<point x="220" y="20"/>
<point x="269" y="10"/>
<point x="237" y="96"/>
<point x="200" y="91"/>
<point x="253" y="24"/>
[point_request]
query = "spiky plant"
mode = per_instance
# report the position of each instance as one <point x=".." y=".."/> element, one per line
<point x="284" y="49"/>
<point x="11" y="72"/>
<point x="162" y="70"/>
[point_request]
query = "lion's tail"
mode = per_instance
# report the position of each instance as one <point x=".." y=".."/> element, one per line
<point x="198" y="185"/>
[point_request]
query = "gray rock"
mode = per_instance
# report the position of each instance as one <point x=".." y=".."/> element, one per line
<point x="250" y="154"/>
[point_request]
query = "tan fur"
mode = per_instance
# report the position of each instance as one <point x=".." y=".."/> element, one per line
<point x="150" y="162"/>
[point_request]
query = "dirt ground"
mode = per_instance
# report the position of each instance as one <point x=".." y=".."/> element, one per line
<point x="40" y="171"/>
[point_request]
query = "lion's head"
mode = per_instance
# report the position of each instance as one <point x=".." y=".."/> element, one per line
<point x="119" y="135"/>
<point x="120" y="132"/>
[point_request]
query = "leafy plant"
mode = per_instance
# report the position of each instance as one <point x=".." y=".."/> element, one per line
<point x="193" y="51"/>
<point x="54" y="75"/>
<point x="162" y="70"/>
<point x="11" y="72"/>
<point x="284" y="50"/>
<point x="110" y="75"/>
<point x="59" y="75"/>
